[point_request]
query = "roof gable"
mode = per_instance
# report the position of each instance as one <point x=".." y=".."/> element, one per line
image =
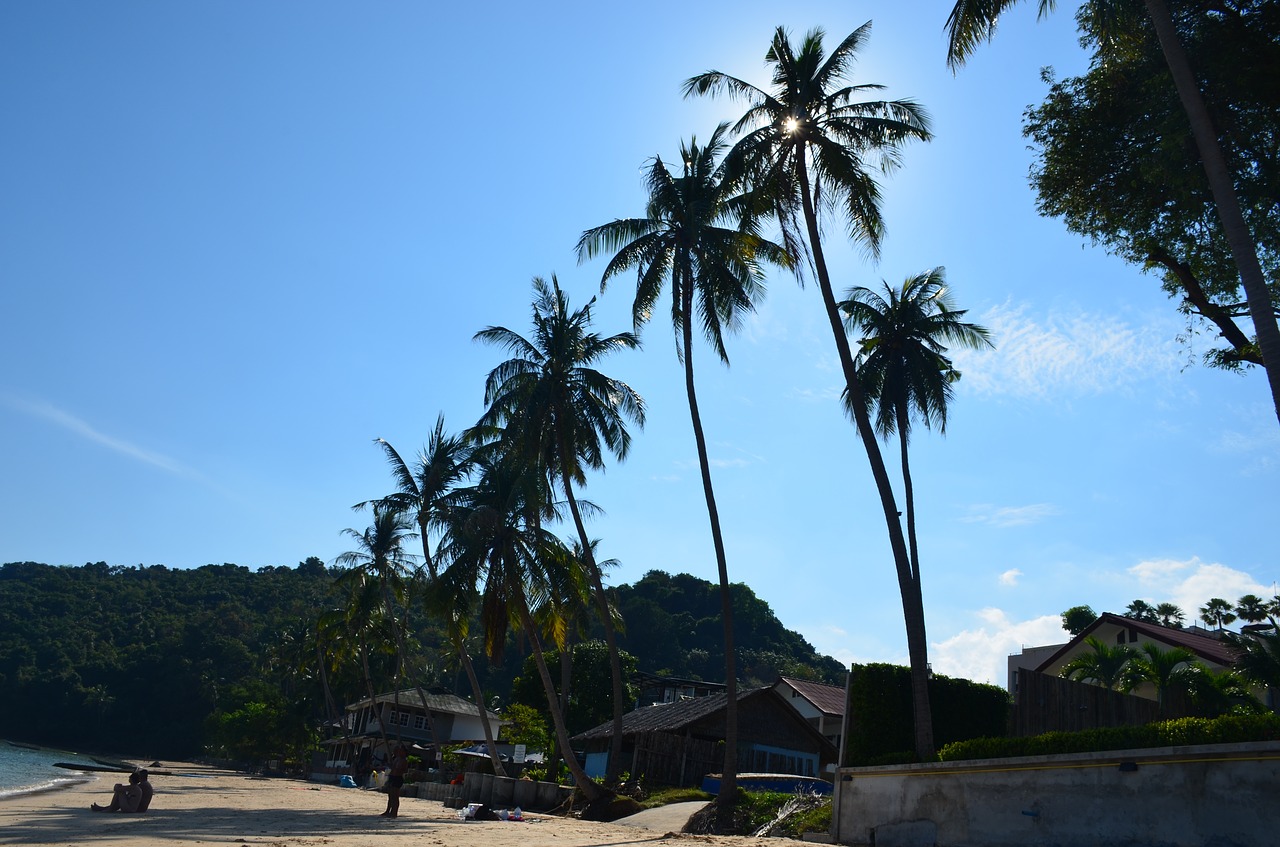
<point x="1207" y="648"/>
<point x="829" y="699"/>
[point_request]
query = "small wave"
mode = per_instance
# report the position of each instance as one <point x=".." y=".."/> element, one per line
<point x="48" y="785"/>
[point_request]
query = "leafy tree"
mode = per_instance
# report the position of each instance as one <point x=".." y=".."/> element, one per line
<point x="1214" y="694"/>
<point x="1105" y="666"/>
<point x="528" y="726"/>
<point x="1141" y="610"/>
<point x="802" y="151"/>
<point x="567" y="415"/>
<point x="903" y="366"/>
<point x="1258" y="659"/>
<point x="1251" y="609"/>
<point x="972" y="21"/>
<point x="1078" y="618"/>
<point x="589" y="703"/>
<point x="714" y="273"/>
<point x="1110" y="167"/>
<point x="1217" y="612"/>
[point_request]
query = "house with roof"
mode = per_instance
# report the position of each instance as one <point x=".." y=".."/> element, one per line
<point x="678" y="743"/>
<point x="820" y="704"/>
<point x="423" y="719"/>
<point x="653" y="688"/>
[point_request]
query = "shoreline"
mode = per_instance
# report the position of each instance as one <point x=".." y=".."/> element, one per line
<point x="57" y="783"/>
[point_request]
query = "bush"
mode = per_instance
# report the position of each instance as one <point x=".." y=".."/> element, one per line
<point x="1229" y="729"/>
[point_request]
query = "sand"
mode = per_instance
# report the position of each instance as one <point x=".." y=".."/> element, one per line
<point x="199" y="805"/>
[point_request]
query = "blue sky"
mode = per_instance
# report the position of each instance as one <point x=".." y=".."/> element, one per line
<point x="239" y="241"/>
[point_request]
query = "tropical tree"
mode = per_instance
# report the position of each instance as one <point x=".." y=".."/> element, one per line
<point x="1105" y="666"/>
<point x="973" y="21"/>
<point x="1170" y="615"/>
<point x="1141" y="610"/>
<point x="688" y="238"/>
<point x="1216" y="693"/>
<point x="566" y="416"/>
<point x="803" y="149"/>
<point x="1258" y="659"/>
<point x="1163" y="670"/>
<point x="1251" y="609"/>
<point x="496" y="546"/>
<point x="1217" y="612"/>
<point x="903" y="367"/>
<point x="424" y="491"/>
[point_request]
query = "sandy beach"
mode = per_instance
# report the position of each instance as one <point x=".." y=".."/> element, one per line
<point x="199" y="805"/>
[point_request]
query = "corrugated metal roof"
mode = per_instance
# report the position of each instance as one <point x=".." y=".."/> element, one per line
<point x="441" y="703"/>
<point x="666" y="717"/>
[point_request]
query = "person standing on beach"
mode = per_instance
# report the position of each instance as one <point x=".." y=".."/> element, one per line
<point x="395" y="781"/>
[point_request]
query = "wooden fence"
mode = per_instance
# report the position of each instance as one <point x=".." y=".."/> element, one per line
<point x="1050" y="703"/>
<point x="667" y="759"/>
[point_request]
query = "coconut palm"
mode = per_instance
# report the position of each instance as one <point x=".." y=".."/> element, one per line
<point x="566" y="415"/>
<point x="1104" y="666"/>
<point x="1251" y="609"/>
<point x="693" y="236"/>
<point x="1163" y="670"/>
<point x="902" y="364"/>
<point x="497" y="547"/>
<point x="974" y="21"/>
<point x="424" y="491"/>
<point x="804" y="150"/>
<point x="1141" y="610"/>
<point x="1216" y="693"/>
<point x="1217" y="612"/>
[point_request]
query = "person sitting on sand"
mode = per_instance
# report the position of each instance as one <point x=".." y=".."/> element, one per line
<point x="134" y="797"/>
<point x="395" y="781"/>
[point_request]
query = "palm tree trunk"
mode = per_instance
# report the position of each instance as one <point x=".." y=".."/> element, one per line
<point x="729" y="775"/>
<point x="478" y="694"/>
<point x="912" y="605"/>
<point x="610" y="637"/>
<point x="1243" y="250"/>
<point x="908" y="496"/>
<point x="588" y="786"/>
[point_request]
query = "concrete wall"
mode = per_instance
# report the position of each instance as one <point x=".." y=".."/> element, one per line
<point x="1224" y="795"/>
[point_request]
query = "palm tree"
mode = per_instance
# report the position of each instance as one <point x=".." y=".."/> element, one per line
<point x="1217" y="612"/>
<point x="1258" y="659"/>
<point x="803" y="151"/>
<point x="1222" y="693"/>
<point x="497" y="547"/>
<point x="1163" y="670"/>
<point x="1104" y="666"/>
<point x="567" y="415"/>
<point x="1170" y="615"/>
<point x="1251" y="609"/>
<point x="425" y="491"/>
<point x="1141" y="610"/>
<point x="714" y="272"/>
<point x="375" y="582"/>
<point x="903" y="367"/>
<point x="974" y="21"/>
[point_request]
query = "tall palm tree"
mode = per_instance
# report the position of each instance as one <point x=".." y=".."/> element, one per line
<point x="567" y="415"/>
<point x="1217" y="612"/>
<point x="903" y="367"/>
<point x="1141" y="610"/>
<point x="693" y="236"/>
<point x="974" y="21"/>
<point x="1164" y="670"/>
<point x="1104" y="666"/>
<point x="375" y="581"/>
<point x="803" y="152"/>
<point x="425" y="491"/>
<point x="497" y="547"/>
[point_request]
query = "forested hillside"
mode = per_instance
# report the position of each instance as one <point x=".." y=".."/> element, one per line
<point x="158" y="661"/>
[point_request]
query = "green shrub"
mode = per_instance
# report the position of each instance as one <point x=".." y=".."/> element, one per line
<point x="1228" y="729"/>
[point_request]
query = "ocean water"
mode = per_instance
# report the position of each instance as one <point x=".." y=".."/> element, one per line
<point x="24" y="770"/>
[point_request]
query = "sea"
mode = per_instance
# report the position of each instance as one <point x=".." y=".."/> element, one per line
<point x="27" y="769"/>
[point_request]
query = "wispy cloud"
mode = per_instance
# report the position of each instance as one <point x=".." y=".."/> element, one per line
<point x="1010" y="577"/>
<point x="1077" y="353"/>
<point x="1189" y="583"/>
<point x="1003" y="517"/>
<point x="981" y="653"/>
<point x="52" y="414"/>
